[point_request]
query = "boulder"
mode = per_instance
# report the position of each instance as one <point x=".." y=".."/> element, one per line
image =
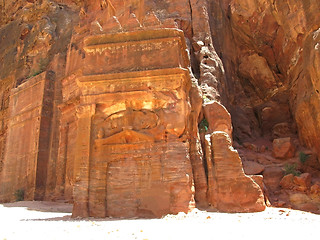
<point x="218" y="117"/>
<point x="279" y="203"/>
<point x="315" y="188"/>
<point x="299" y="198"/>
<point x="283" y="148"/>
<point x="272" y="177"/>
<point x="299" y="183"/>
<point x="302" y="182"/>
<point x="309" y="207"/>
<point x="251" y="146"/>
<point x="255" y="68"/>
<point x="287" y="182"/>
<point x="262" y="149"/>
<point x="252" y="168"/>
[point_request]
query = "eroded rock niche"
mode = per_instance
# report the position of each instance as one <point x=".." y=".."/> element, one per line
<point x="126" y="121"/>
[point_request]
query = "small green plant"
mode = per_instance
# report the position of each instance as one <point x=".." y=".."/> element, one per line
<point x="303" y="157"/>
<point x="33" y="74"/>
<point x="19" y="194"/>
<point x="291" y="169"/>
<point x="203" y="125"/>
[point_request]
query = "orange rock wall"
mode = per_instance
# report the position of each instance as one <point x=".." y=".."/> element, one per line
<point x="27" y="143"/>
<point x="269" y="51"/>
<point x="123" y="80"/>
<point x="4" y="113"/>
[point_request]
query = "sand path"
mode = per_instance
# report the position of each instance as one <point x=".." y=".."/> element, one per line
<point x="44" y="220"/>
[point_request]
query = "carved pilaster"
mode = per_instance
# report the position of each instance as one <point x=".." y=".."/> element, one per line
<point x="82" y="160"/>
<point x="61" y="161"/>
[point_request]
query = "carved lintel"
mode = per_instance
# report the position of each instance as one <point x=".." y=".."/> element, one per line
<point x="67" y="105"/>
<point x="84" y="111"/>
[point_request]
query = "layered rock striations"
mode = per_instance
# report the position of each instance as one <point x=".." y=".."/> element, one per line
<point x="136" y="108"/>
<point x="268" y="49"/>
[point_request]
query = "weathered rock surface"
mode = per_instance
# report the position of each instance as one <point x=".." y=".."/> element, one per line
<point x="315" y="189"/>
<point x="252" y="168"/>
<point x="303" y="181"/>
<point x="218" y="117"/>
<point x="28" y="138"/>
<point x="230" y="189"/>
<point x="272" y="177"/>
<point x="270" y="53"/>
<point x="287" y="182"/>
<point x="301" y="194"/>
<point x="283" y="148"/>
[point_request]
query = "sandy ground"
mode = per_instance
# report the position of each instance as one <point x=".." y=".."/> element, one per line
<point x="44" y="220"/>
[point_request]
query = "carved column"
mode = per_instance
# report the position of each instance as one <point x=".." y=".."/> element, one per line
<point x="98" y="182"/>
<point x="82" y="161"/>
<point x="61" y="161"/>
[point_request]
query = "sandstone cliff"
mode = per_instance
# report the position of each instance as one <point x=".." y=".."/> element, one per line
<point x="252" y="80"/>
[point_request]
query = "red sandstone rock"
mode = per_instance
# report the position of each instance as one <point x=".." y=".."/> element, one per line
<point x="287" y="182"/>
<point x="26" y="162"/>
<point x="315" y="188"/>
<point x="256" y="68"/>
<point x="196" y="152"/>
<point x="262" y="35"/>
<point x="310" y="164"/>
<point x="309" y="207"/>
<point x="218" y="117"/>
<point x="299" y="183"/>
<point x="252" y="168"/>
<point x="280" y="203"/>
<point x="262" y="149"/>
<point x="250" y="146"/>
<point x="272" y="177"/>
<point x="281" y="130"/>
<point x="259" y="180"/>
<point x="283" y="148"/>
<point x="299" y="199"/>
<point x="233" y="190"/>
<point x="269" y="81"/>
<point x="303" y="181"/>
